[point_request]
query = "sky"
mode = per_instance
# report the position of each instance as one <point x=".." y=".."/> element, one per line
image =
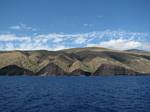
<point x="62" y="24"/>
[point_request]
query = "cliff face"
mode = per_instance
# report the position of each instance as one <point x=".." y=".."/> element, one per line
<point x="13" y="70"/>
<point x="106" y="69"/>
<point x="78" y="72"/>
<point x="51" y="69"/>
<point x="77" y="61"/>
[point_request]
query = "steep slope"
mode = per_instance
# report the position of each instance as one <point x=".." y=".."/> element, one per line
<point x="63" y="61"/>
<point x="96" y="62"/>
<point x="78" y="65"/>
<point x="137" y="51"/>
<point x="109" y="69"/>
<point x="78" y="61"/>
<point x="135" y="62"/>
<point x="78" y="72"/>
<point x="51" y="69"/>
<point x="19" y="58"/>
<point x="13" y="70"/>
<point x="12" y="58"/>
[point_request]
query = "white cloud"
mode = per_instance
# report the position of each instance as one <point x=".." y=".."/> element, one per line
<point x="7" y="37"/>
<point x="58" y="47"/>
<point x="15" y="27"/>
<point x="80" y="40"/>
<point x="121" y="44"/>
<point x="92" y="45"/>
<point x="55" y="41"/>
<point x="31" y="46"/>
<point x="12" y="37"/>
<point x="10" y="46"/>
<point x="23" y="27"/>
<point x="146" y="46"/>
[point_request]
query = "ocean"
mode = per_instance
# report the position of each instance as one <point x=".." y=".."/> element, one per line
<point x="75" y="94"/>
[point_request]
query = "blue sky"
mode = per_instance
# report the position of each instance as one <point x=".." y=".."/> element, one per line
<point x="59" y="24"/>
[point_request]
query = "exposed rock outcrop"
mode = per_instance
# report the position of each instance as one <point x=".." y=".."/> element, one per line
<point x="108" y="69"/>
<point x="13" y="70"/>
<point x="50" y="70"/>
<point x="76" y="61"/>
<point x="79" y="72"/>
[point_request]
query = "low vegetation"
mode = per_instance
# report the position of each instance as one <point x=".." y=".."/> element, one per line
<point x="76" y="61"/>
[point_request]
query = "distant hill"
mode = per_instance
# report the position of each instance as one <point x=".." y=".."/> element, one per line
<point x="90" y="61"/>
<point x="137" y="51"/>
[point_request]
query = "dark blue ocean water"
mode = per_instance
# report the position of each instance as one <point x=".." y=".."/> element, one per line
<point x="75" y="94"/>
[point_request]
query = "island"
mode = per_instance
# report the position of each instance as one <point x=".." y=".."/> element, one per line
<point x="89" y="61"/>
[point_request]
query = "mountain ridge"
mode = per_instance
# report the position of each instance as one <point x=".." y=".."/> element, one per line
<point x="89" y="61"/>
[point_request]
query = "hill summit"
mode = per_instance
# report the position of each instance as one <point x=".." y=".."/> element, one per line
<point x="90" y="61"/>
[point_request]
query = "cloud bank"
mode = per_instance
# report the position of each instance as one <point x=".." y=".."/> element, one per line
<point x="120" y="40"/>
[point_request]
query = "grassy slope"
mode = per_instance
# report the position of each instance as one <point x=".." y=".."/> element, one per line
<point x="87" y="59"/>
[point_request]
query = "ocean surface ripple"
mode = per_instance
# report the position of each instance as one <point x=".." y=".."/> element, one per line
<point x="75" y="94"/>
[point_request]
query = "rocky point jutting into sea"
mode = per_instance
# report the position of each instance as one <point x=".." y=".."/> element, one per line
<point x="90" y="61"/>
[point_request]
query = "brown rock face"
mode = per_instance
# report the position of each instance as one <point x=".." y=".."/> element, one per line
<point x="107" y="69"/>
<point x="51" y="69"/>
<point x="80" y="72"/>
<point x="75" y="61"/>
<point x="13" y="70"/>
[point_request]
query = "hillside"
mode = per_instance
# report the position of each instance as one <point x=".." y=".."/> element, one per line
<point x="88" y="61"/>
